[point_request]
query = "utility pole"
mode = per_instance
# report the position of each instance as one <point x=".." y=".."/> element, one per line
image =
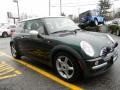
<point x="60" y="8"/>
<point x="18" y="10"/>
<point x="49" y="7"/>
<point x="16" y="1"/>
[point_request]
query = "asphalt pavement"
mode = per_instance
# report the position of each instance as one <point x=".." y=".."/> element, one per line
<point x="16" y="76"/>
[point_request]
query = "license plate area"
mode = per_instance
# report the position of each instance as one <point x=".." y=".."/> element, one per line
<point x="108" y="57"/>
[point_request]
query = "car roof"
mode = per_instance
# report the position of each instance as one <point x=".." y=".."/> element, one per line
<point x="42" y="17"/>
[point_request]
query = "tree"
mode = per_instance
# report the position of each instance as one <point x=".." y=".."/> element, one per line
<point x="117" y="14"/>
<point x="24" y="16"/>
<point x="76" y="19"/>
<point x="63" y="14"/>
<point x="104" y="6"/>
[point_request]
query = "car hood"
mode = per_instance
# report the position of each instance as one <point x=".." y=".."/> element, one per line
<point x="97" y="40"/>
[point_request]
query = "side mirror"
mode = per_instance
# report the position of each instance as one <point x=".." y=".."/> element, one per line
<point x="33" y="32"/>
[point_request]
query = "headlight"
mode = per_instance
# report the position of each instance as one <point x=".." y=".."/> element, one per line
<point x="87" y="48"/>
<point x="110" y="38"/>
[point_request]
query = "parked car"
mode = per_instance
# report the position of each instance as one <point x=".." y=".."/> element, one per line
<point x="116" y="21"/>
<point x="59" y="43"/>
<point x="6" y="30"/>
<point x="114" y="27"/>
<point x="90" y="17"/>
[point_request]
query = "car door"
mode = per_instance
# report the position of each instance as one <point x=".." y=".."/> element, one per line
<point x="19" y="34"/>
<point x="35" y="46"/>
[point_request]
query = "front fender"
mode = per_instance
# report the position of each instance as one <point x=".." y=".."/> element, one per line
<point x="66" y="49"/>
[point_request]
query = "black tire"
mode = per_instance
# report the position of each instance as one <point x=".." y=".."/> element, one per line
<point x="96" y="22"/>
<point x="76" y="75"/>
<point x="4" y="35"/>
<point x="118" y="33"/>
<point x="103" y="22"/>
<point x="15" y="53"/>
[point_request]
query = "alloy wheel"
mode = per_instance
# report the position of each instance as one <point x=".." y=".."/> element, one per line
<point x="13" y="50"/>
<point x="65" y="67"/>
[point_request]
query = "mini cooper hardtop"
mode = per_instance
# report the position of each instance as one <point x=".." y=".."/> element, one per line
<point x="61" y="44"/>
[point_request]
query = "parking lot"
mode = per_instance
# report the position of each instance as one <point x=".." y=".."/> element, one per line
<point x="28" y="74"/>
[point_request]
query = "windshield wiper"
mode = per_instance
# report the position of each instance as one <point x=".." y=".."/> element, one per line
<point x="60" y="31"/>
<point x="75" y="30"/>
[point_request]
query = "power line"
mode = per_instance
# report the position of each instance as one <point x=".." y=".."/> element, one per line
<point x="49" y="7"/>
<point x="72" y="5"/>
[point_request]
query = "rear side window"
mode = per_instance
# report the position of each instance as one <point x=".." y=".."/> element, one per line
<point x="20" y="28"/>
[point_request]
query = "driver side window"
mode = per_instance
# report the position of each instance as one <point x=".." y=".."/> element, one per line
<point x="34" y="25"/>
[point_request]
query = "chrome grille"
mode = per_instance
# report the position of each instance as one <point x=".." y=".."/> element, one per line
<point x="111" y="49"/>
<point x="104" y="52"/>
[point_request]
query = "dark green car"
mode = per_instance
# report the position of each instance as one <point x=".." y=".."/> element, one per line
<point x="61" y="44"/>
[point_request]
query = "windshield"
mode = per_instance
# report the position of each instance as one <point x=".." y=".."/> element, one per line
<point x="94" y="13"/>
<point x="60" y="24"/>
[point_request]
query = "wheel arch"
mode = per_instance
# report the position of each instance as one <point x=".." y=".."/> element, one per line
<point x="11" y="42"/>
<point x="95" y="18"/>
<point x="4" y="32"/>
<point x="69" y="50"/>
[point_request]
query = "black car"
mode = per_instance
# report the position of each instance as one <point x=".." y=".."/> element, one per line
<point x="59" y="43"/>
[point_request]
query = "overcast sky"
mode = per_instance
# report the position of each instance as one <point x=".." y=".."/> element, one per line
<point x="41" y="7"/>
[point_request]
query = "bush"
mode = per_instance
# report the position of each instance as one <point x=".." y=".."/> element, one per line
<point x="95" y="29"/>
<point x="100" y="28"/>
<point x="113" y="28"/>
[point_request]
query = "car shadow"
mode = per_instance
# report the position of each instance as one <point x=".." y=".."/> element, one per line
<point x="49" y="69"/>
<point x="37" y="64"/>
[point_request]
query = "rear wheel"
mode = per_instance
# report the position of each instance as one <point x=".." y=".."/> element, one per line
<point x="4" y="35"/>
<point x="66" y="67"/>
<point x="103" y="22"/>
<point x="96" y="22"/>
<point x="15" y="52"/>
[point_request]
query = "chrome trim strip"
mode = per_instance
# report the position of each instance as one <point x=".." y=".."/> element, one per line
<point x="96" y="59"/>
<point x="115" y="57"/>
<point x="99" y="66"/>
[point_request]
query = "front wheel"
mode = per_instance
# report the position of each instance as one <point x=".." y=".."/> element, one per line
<point x="14" y="52"/>
<point x="4" y="35"/>
<point x="66" y="67"/>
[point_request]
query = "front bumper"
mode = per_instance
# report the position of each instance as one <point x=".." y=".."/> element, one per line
<point x="101" y="64"/>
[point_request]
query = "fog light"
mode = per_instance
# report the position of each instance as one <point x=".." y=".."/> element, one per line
<point x="96" y="63"/>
